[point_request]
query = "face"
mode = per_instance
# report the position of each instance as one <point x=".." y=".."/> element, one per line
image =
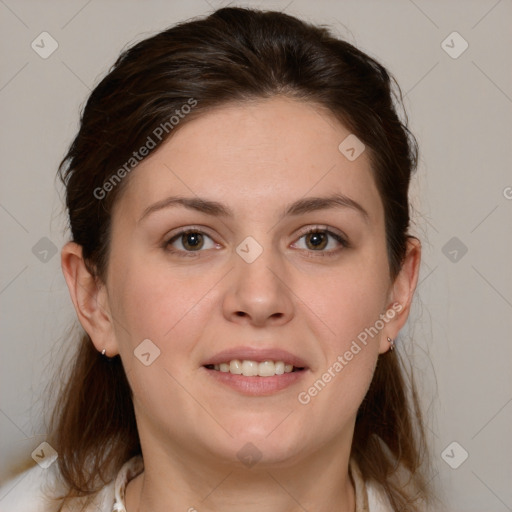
<point x="262" y="274"/>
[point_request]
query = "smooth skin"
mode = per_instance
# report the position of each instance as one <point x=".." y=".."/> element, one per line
<point x="193" y="300"/>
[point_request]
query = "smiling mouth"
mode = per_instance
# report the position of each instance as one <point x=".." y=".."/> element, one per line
<point x="249" y="368"/>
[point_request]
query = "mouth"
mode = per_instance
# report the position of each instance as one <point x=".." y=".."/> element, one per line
<point x="255" y="372"/>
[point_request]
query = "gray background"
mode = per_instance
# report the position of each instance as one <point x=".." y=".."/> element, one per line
<point x="460" y="110"/>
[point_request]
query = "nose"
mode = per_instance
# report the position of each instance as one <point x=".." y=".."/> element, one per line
<point x="258" y="293"/>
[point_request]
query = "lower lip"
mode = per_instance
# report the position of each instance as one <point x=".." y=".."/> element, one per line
<point x="256" y="386"/>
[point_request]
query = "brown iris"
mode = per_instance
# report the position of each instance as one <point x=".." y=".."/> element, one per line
<point x="192" y="241"/>
<point x="316" y="240"/>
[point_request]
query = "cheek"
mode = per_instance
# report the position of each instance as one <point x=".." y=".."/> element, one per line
<point x="160" y="305"/>
<point x="349" y="303"/>
<point x="170" y="311"/>
<point x="336" y="390"/>
<point x="348" y="300"/>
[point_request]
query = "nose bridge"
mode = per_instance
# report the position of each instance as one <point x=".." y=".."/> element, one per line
<point x="258" y="265"/>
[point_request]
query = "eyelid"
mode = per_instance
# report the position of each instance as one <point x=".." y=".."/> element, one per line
<point x="186" y="229"/>
<point x="326" y="228"/>
<point x="320" y="227"/>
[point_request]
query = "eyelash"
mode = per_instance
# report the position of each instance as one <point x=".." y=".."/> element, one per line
<point x="317" y="229"/>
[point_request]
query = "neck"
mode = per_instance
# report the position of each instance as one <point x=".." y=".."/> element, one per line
<point x="319" y="482"/>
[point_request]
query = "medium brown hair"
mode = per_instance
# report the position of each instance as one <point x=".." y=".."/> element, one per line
<point x="233" y="55"/>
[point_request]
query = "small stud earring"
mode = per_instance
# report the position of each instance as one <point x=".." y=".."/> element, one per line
<point x="104" y="350"/>
<point x="391" y="344"/>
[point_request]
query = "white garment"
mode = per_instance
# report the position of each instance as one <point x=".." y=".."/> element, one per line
<point x="26" y="492"/>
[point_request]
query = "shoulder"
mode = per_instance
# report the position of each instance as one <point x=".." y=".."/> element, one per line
<point x="35" y="490"/>
<point x="377" y="499"/>
<point x="26" y="491"/>
<point x="370" y="495"/>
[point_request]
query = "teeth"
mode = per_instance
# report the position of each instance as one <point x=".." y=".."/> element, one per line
<point x="266" y="369"/>
<point x="249" y="368"/>
<point x="235" y="367"/>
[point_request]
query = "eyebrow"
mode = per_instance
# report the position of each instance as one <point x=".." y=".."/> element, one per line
<point x="214" y="208"/>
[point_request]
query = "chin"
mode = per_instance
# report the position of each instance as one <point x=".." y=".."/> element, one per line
<point x="265" y="442"/>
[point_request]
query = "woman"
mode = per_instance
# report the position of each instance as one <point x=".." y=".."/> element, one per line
<point x="241" y="266"/>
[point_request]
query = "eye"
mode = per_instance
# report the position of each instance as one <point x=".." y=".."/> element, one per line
<point x="317" y="239"/>
<point x="189" y="241"/>
<point x="322" y="240"/>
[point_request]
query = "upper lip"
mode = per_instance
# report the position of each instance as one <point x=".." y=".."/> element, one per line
<point x="256" y="354"/>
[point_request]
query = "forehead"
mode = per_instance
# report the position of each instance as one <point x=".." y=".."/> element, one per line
<point x="254" y="155"/>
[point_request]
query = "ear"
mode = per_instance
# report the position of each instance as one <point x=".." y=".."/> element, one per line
<point x="89" y="297"/>
<point x="401" y="293"/>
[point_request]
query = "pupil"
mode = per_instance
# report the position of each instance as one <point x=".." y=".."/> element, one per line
<point x="317" y="239"/>
<point x="193" y="240"/>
